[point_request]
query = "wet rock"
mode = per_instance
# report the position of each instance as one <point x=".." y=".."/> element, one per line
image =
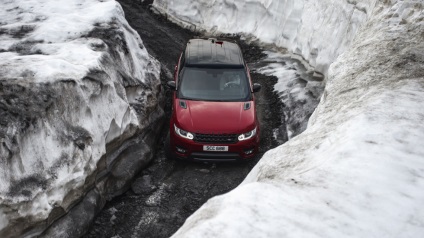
<point x="143" y="185"/>
<point x="317" y="76"/>
<point x="77" y="221"/>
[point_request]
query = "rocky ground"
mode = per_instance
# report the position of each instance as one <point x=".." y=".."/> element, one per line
<point x="167" y="192"/>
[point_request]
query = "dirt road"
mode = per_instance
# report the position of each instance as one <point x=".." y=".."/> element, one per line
<point x="167" y="192"/>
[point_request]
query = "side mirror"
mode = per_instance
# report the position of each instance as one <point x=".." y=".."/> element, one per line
<point x="256" y="87"/>
<point x="171" y="85"/>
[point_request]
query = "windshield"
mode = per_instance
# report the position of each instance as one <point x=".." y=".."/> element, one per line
<point x="205" y="84"/>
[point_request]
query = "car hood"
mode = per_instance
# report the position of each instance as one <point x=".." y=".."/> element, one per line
<point x="215" y="117"/>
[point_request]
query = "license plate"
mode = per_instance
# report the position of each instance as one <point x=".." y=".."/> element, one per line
<point x="215" y="148"/>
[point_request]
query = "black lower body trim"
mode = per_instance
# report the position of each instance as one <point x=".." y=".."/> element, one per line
<point x="212" y="157"/>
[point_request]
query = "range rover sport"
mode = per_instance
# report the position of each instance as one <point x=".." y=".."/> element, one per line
<point x="213" y="107"/>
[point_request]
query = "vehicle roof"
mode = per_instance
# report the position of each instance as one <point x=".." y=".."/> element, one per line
<point x="213" y="52"/>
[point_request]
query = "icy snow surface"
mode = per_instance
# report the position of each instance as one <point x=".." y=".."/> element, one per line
<point x="68" y="85"/>
<point x="357" y="171"/>
<point x="318" y="30"/>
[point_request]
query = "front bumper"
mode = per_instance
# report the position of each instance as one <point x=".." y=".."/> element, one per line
<point x="191" y="150"/>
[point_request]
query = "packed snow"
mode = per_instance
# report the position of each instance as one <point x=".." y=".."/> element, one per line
<point x="317" y="30"/>
<point x="71" y="75"/>
<point x="357" y="169"/>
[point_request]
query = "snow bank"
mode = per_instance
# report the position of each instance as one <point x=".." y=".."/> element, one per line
<point x="317" y="30"/>
<point x="299" y="89"/>
<point x="75" y="82"/>
<point x="357" y="169"/>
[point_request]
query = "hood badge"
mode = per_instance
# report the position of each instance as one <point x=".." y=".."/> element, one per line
<point x="183" y="104"/>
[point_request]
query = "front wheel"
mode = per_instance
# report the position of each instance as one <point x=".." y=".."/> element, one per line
<point x="167" y="147"/>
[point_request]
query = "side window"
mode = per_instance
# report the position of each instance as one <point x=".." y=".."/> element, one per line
<point x="182" y="62"/>
<point x="180" y="68"/>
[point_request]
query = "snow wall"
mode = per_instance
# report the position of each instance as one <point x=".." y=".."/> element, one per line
<point x="319" y="31"/>
<point x="78" y="112"/>
<point x="357" y="169"/>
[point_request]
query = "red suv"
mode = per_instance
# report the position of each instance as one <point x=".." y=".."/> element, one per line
<point x="213" y="108"/>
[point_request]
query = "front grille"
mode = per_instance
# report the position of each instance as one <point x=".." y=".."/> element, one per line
<point x="216" y="139"/>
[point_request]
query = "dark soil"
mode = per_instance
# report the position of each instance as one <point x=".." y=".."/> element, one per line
<point x="167" y="192"/>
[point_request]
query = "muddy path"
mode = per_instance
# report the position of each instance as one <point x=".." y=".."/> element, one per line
<point x="167" y="192"/>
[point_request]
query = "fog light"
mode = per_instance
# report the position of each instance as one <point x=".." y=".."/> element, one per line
<point x="180" y="150"/>
<point x="248" y="152"/>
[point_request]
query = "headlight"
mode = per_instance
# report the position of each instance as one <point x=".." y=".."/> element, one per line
<point x="247" y="135"/>
<point x="183" y="133"/>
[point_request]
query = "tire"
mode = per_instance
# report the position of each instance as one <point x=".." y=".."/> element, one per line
<point x="167" y="148"/>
